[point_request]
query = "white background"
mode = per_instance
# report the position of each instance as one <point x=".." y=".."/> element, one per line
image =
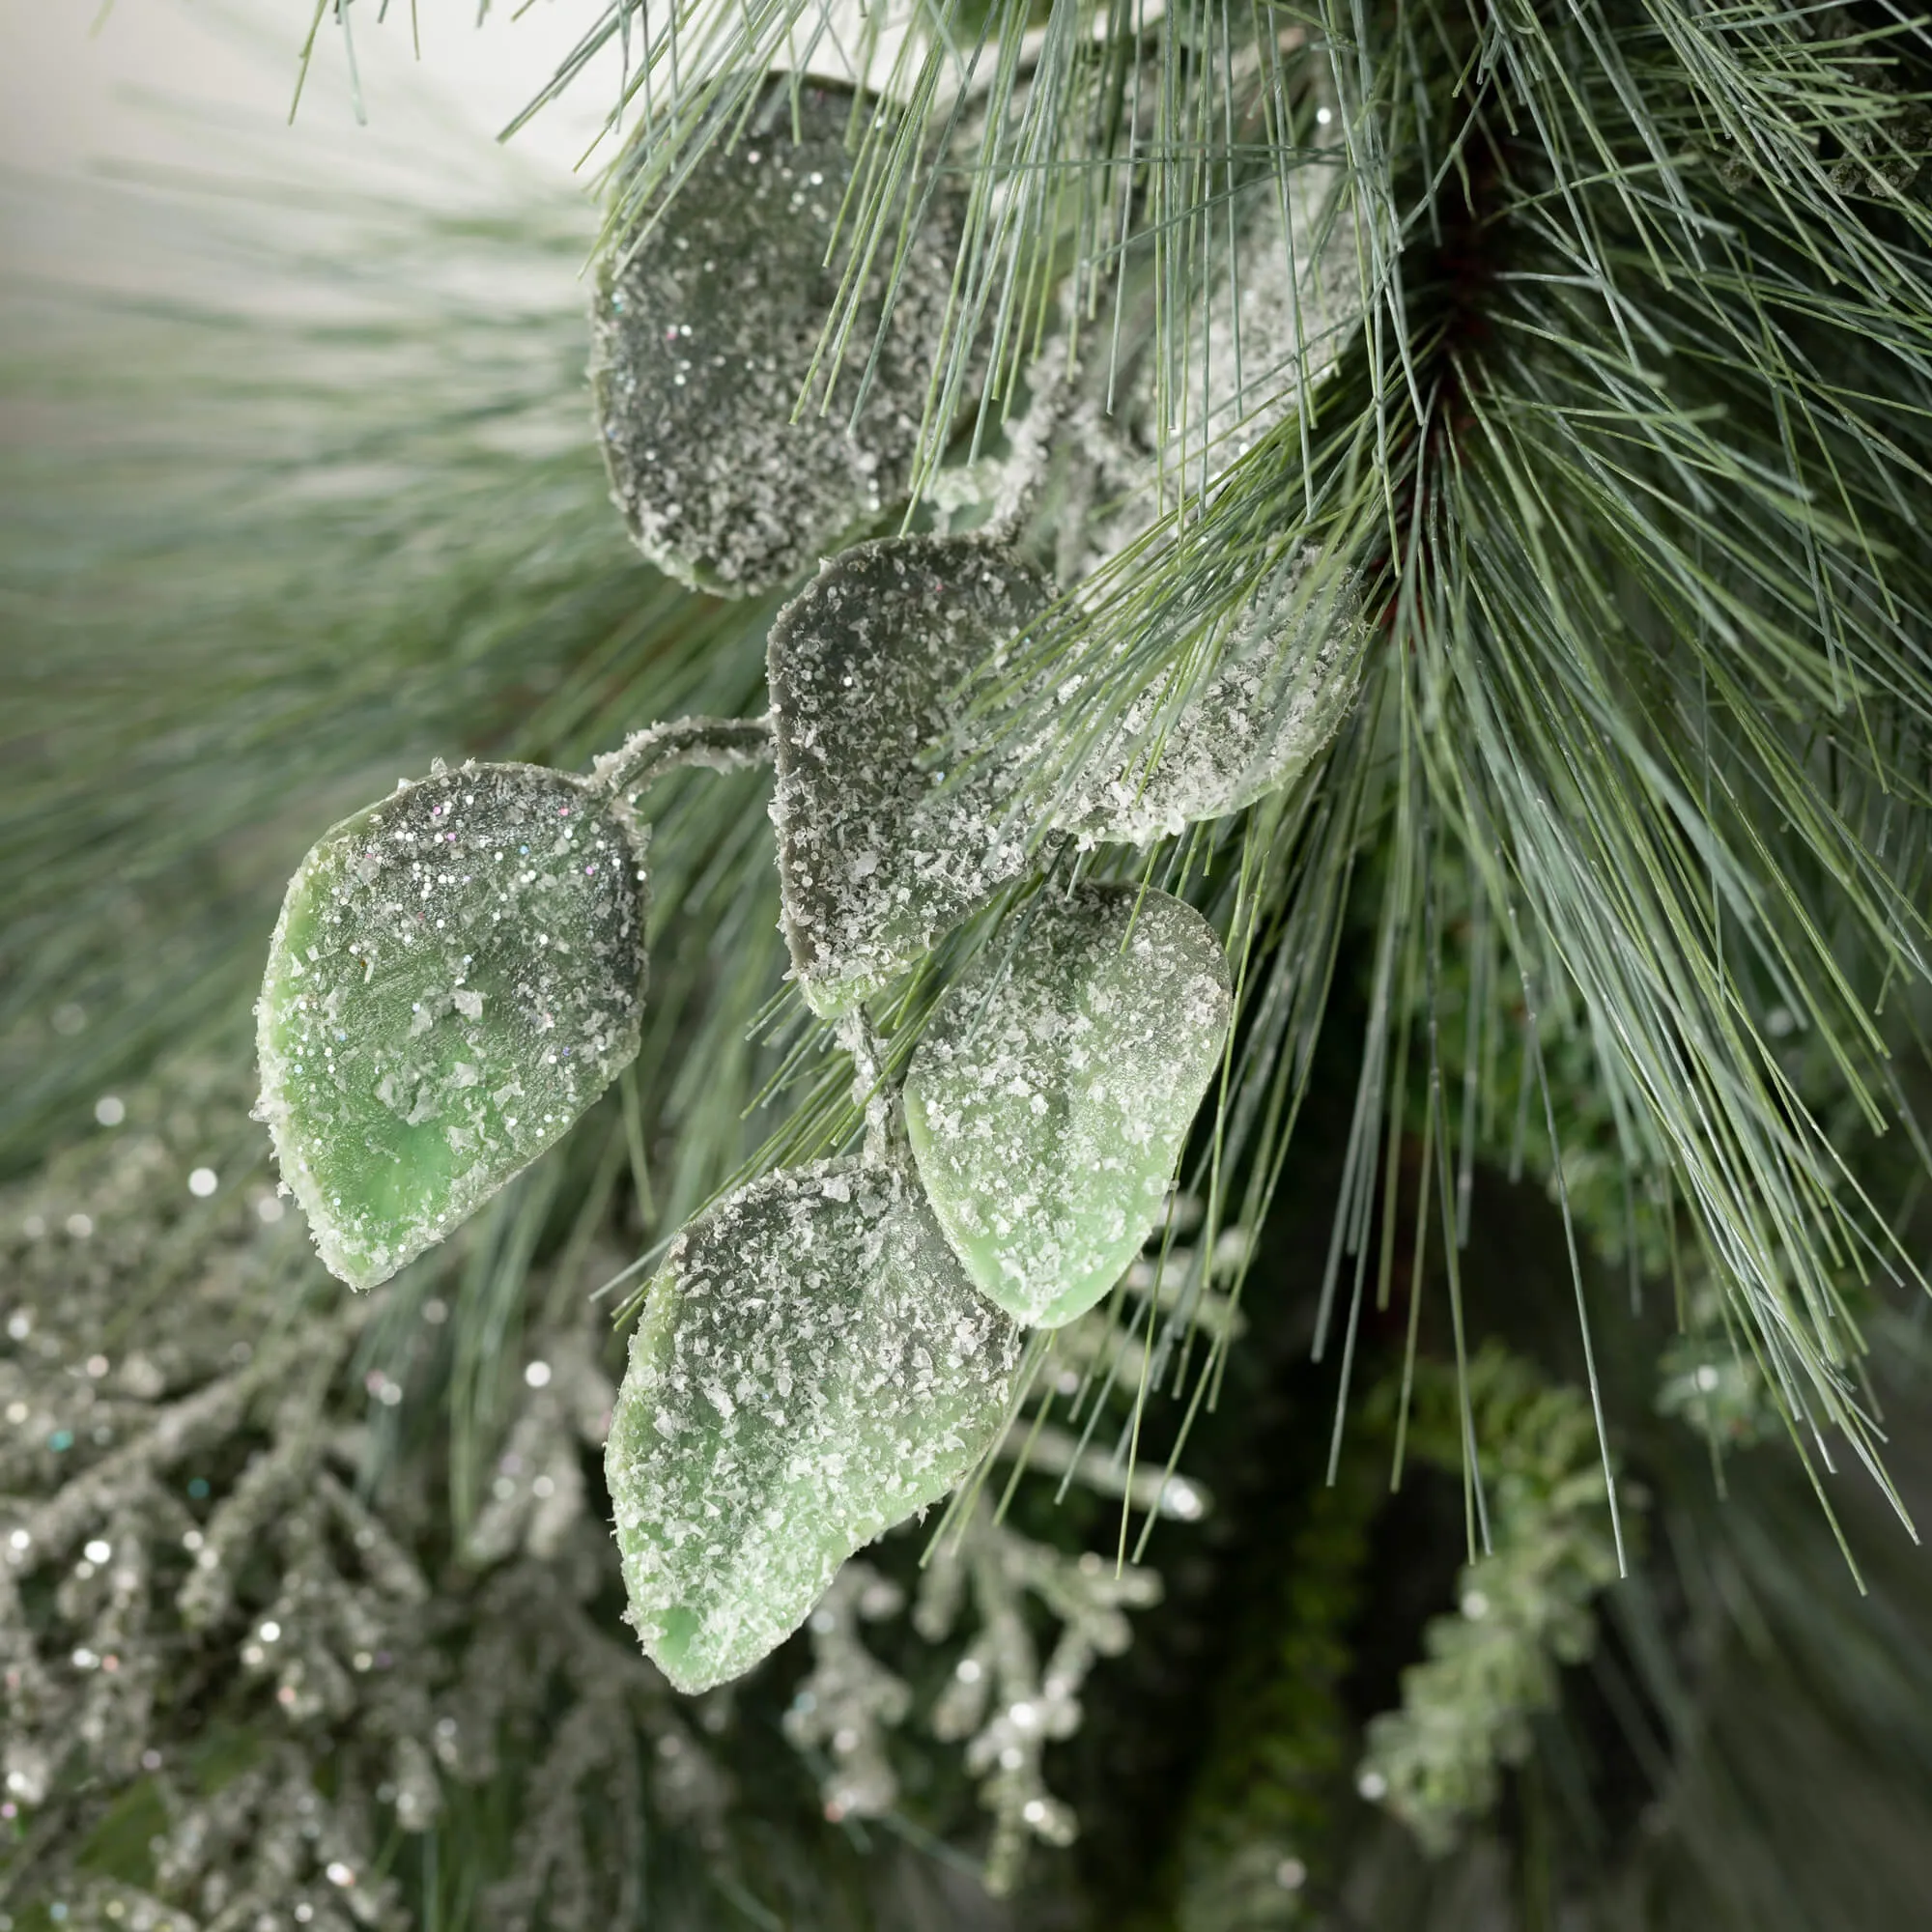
<point x="77" y="78"/>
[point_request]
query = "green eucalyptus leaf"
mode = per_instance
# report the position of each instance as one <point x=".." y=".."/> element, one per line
<point x="702" y="341"/>
<point x="1270" y="323"/>
<point x="812" y="1366"/>
<point x="457" y="974"/>
<point x="877" y="857"/>
<point x="1284" y="683"/>
<point x="1053" y="1088"/>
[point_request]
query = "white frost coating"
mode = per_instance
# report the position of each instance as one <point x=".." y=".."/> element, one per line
<point x="875" y="858"/>
<point x="812" y="1366"/>
<point x="456" y="973"/>
<point x="1053" y="1089"/>
<point x="700" y="346"/>
<point x="1266" y="337"/>
<point x="1282" y="685"/>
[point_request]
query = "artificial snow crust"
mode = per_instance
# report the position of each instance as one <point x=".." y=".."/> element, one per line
<point x="701" y="343"/>
<point x="877" y="857"/>
<point x="873" y="669"/>
<point x="1054" y="1087"/>
<point x="456" y="973"/>
<point x="812" y="1366"/>
<point x="1283" y="684"/>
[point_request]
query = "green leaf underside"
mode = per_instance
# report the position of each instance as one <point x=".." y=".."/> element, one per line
<point x="812" y="1366"/>
<point x="876" y="857"/>
<point x="1052" y="1092"/>
<point x="703" y="341"/>
<point x="458" y="972"/>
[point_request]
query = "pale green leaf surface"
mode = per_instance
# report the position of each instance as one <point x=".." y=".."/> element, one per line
<point x="1052" y="1092"/>
<point x="812" y="1366"/>
<point x="457" y="974"/>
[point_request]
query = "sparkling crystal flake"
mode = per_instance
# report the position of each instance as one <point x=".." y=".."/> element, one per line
<point x="812" y="1366"/>
<point x="1054" y="1087"/>
<point x="702" y="341"/>
<point x="458" y="972"/>
<point x="876" y="857"/>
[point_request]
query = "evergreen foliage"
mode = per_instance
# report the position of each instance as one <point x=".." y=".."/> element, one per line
<point x="1449" y="484"/>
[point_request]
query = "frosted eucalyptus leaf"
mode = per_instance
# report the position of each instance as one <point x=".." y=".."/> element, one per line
<point x="1284" y="683"/>
<point x="1274" y="322"/>
<point x="458" y="972"/>
<point x="812" y="1366"/>
<point x="702" y="341"/>
<point x="1254" y="342"/>
<point x="1267" y="328"/>
<point x="876" y="858"/>
<point x="1054" y="1087"/>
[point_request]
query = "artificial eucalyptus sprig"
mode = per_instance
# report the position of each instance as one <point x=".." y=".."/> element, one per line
<point x="1398" y="537"/>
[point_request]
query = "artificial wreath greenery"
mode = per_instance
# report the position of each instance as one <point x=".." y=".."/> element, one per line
<point x="1243" y="891"/>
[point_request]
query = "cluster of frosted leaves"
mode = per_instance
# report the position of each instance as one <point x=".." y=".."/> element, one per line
<point x="1283" y="682"/>
<point x="812" y="1366"/>
<point x="1054" y="1087"/>
<point x="458" y="972"/>
<point x="878" y="855"/>
<point x="875" y="667"/>
<point x="703" y="342"/>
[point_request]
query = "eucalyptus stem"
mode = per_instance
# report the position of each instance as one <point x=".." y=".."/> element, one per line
<point x="871" y="1088"/>
<point x="1030" y="437"/>
<point x="717" y="744"/>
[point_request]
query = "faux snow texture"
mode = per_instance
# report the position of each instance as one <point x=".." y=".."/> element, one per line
<point x="702" y="344"/>
<point x="876" y="857"/>
<point x="458" y="972"/>
<point x="812" y="1366"/>
<point x="1053" y="1088"/>
<point x="1283" y="686"/>
<point x="1264" y="339"/>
